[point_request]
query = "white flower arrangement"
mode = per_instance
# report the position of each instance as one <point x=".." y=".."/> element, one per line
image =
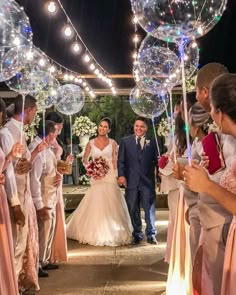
<point x="84" y="126"/>
<point x="84" y="180"/>
<point x="212" y="127"/>
<point x="31" y="130"/>
<point x="164" y="127"/>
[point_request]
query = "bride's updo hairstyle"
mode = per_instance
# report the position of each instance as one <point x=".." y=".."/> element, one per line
<point x="223" y="95"/>
<point x="198" y="117"/>
<point x="108" y="120"/>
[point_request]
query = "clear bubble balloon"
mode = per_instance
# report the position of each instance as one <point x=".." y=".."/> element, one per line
<point x="158" y="64"/>
<point x="148" y="105"/>
<point x="15" y="29"/>
<point x="71" y="99"/>
<point x="48" y="95"/>
<point x="155" y="65"/>
<point x="173" y="20"/>
<point x="26" y="66"/>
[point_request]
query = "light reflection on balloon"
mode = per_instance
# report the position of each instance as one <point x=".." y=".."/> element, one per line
<point x="159" y="64"/>
<point x="177" y="19"/>
<point x="47" y="96"/>
<point x="15" y="29"/>
<point x="71" y="99"/>
<point x="155" y="65"/>
<point x="148" y="105"/>
<point x="26" y="66"/>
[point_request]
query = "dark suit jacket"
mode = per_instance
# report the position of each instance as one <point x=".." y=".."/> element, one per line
<point x="137" y="169"/>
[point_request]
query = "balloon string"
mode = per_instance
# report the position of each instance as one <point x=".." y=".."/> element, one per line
<point x="172" y="130"/>
<point x="44" y="136"/>
<point x="70" y="134"/>
<point x="22" y="118"/>
<point x="185" y="104"/>
<point x="155" y="134"/>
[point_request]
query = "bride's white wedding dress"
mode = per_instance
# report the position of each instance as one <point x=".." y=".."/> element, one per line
<point x="102" y="218"/>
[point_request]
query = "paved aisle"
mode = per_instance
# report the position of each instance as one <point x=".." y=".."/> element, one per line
<point x="109" y="270"/>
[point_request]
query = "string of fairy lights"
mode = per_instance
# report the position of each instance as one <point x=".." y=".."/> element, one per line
<point x="136" y="39"/>
<point x="79" y="48"/>
<point x="56" y="69"/>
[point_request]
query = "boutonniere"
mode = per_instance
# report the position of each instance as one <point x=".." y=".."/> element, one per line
<point x="147" y="142"/>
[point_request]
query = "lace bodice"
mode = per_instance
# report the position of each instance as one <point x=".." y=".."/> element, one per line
<point x="228" y="180"/>
<point x="105" y="153"/>
<point x="109" y="152"/>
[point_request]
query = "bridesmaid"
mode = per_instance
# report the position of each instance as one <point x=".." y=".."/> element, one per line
<point x="223" y="112"/>
<point x="7" y="267"/>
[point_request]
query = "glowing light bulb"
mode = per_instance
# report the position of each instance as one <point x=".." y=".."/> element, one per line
<point x="42" y="62"/>
<point x="135" y="55"/>
<point x="52" y="7"/>
<point x="68" y="31"/>
<point x="135" y="20"/>
<point x="186" y="57"/>
<point x="87" y="88"/>
<point x="80" y="81"/>
<point x="84" y="84"/>
<point x="29" y="55"/>
<point x="87" y="58"/>
<point x="66" y="77"/>
<point x="136" y="39"/>
<point x="194" y="44"/>
<point x="52" y="69"/>
<point x="76" y="47"/>
<point x="92" y="67"/>
<point x="71" y="77"/>
<point x="76" y="80"/>
<point x="200" y="30"/>
<point x="16" y="41"/>
<point x="96" y="72"/>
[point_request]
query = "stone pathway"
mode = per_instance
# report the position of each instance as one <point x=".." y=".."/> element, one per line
<point x="112" y="270"/>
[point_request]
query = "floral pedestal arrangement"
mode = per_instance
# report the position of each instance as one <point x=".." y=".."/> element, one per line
<point x="84" y="128"/>
<point x="164" y="129"/>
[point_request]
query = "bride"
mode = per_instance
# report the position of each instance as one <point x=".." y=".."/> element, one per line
<point x="102" y="218"/>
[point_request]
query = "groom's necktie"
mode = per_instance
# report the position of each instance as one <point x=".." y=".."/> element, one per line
<point x="139" y="148"/>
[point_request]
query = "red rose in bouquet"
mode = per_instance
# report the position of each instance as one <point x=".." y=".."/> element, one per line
<point x="97" y="168"/>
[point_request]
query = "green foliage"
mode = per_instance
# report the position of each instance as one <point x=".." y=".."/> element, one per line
<point x="116" y="108"/>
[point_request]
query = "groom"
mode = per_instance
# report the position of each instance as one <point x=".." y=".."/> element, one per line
<point x="137" y="160"/>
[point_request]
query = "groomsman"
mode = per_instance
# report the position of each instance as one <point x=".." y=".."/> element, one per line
<point x="137" y="161"/>
<point x="43" y="176"/>
<point x="18" y="188"/>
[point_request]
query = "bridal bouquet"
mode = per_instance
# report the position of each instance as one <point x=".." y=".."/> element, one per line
<point x="97" y="168"/>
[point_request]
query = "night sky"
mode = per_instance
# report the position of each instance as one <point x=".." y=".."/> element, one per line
<point x="106" y="28"/>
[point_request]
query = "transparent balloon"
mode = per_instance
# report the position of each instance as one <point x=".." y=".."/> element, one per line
<point x="173" y="20"/>
<point x="159" y="64"/>
<point x="148" y="105"/>
<point x="26" y="66"/>
<point x="48" y="95"/>
<point x="71" y="99"/>
<point x="15" y="29"/>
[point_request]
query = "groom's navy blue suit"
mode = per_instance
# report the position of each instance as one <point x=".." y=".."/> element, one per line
<point x="138" y="167"/>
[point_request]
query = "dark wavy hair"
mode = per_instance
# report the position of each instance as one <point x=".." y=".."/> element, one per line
<point x="3" y="110"/>
<point x="180" y="133"/>
<point x="55" y="117"/>
<point x="108" y="120"/>
<point x="223" y="95"/>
